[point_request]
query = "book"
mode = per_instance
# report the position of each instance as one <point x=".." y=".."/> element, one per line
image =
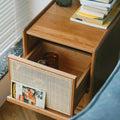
<point x="88" y="17"/>
<point x="108" y="21"/>
<point x="28" y="94"/>
<point x="98" y="4"/>
<point x="93" y="17"/>
<point x="104" y="1"/>
<point x="99" y="7"/>
<point x="99" y="10"/>
<point x="83" y="11"/>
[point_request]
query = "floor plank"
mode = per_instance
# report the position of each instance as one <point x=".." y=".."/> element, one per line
<point x="10" y="111"/>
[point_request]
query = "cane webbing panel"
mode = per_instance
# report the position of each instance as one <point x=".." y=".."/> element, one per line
<point x="58" y="88"/>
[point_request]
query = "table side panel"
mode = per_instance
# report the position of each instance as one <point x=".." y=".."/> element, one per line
<point x="106" y="56"/>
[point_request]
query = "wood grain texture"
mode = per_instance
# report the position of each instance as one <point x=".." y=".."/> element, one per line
<point x="82" y="87"/>
<point x="78" y="62"/>
<point x="68" y="57"/>
<point x="48" y="112"/>
<point x="71" y="61"/>
<point x="9" y="75"/>
<point x="47" y="79"/>
<point x="106" y="56"/>
<point x="28" y="44"/>
<point x="42" y="67"/>
<point x="10" y="111"/>
<point x="21" y="111"/>
<point x="55" y="25"/>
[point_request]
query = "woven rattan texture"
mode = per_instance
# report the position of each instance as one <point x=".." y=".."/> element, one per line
<point x="58" y="88"/>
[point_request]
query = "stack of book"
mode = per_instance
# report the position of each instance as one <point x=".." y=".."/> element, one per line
<point x="98" y="13"/>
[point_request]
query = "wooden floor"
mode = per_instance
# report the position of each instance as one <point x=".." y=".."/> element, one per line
<point x="10" y="111"/>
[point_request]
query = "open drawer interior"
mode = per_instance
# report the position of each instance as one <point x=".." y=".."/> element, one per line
<point x="61" y="85"/>
<point x="70" y="60"/>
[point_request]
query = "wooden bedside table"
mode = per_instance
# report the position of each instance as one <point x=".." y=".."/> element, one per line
<point x="87" y="56"/>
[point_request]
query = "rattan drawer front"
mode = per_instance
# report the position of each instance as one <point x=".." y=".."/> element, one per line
<point x="60" y="86"/>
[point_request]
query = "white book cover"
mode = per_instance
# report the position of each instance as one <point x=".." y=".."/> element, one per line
<point x="99" y="10"/>
<point x="98" y="4"/>
<point x="99" y="7"/>
<point x="94" y="13"/>
<point x="104" y="1"/>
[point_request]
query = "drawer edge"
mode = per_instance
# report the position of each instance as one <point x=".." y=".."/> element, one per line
<point x="43" y="67"/>
<point x="81" y="87"/>
<point x="47" y="112"/>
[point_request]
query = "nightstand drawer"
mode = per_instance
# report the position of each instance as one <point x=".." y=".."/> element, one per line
<point x="64" y="86"/>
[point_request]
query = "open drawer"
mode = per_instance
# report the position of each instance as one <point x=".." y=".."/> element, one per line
<point x="64" y="86"/>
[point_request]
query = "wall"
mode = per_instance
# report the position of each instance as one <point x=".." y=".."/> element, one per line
<point x="36" y="6"/>
<point x="4" y="89"/>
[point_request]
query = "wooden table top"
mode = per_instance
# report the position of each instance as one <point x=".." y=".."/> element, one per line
<point x="55" y="25"/>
